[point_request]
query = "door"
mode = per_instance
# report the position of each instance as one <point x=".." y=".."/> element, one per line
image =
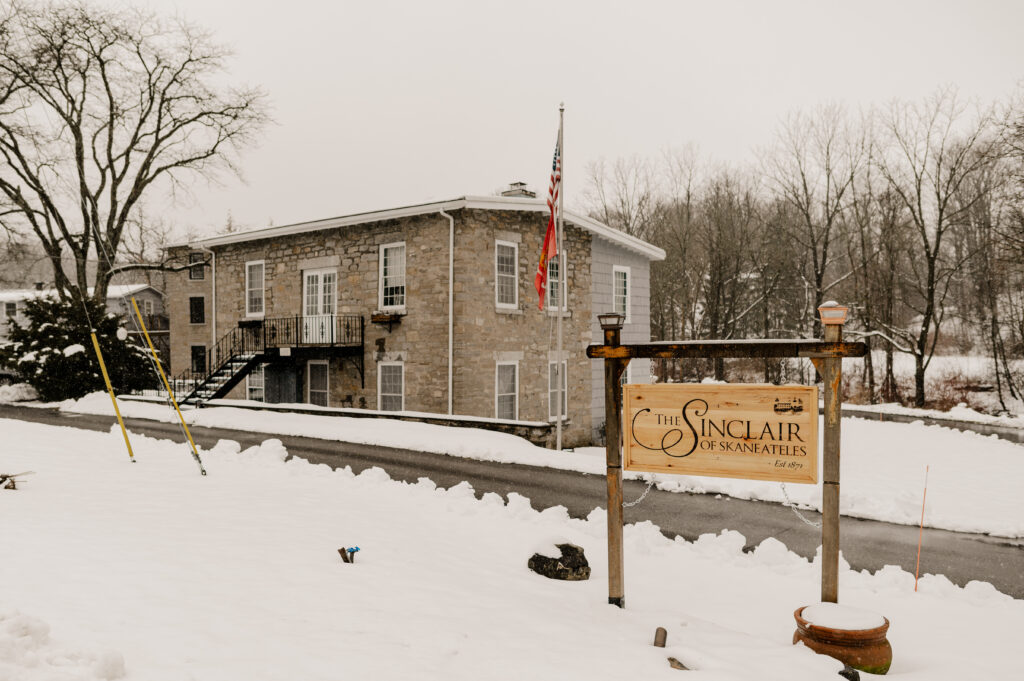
<point x="318" y="306"/>
<point x="318" y="382"/>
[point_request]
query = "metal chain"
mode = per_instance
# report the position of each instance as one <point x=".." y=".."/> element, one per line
<point x="792" y="505"/>
<point x="650" y="484"/>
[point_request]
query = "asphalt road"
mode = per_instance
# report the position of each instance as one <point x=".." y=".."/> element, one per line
<point x="866" y="544"/>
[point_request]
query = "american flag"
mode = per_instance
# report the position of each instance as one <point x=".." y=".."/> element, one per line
<point x="550" y="249"/>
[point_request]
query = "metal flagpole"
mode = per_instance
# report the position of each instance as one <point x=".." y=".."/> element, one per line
<point x="563" y="280"/>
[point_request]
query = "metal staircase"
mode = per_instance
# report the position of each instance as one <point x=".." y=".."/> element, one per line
<point x="225" y="377"/>
<point x="252" y="342"/>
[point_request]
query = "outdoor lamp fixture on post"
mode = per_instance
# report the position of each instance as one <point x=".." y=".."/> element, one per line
<point x="832" y="313"/>
<point x="833" y="316"/>
<point x="611" y="320"/>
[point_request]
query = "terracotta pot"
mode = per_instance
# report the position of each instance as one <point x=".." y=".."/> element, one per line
<point x="865" y="649"/>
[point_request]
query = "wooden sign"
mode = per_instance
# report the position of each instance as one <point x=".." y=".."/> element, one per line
<point x="756" y="432"/>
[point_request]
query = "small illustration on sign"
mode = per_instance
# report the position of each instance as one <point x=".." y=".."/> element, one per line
<point x="793" y="406"/>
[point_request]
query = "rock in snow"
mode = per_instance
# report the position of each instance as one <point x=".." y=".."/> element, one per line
<point x="572" y="566"/>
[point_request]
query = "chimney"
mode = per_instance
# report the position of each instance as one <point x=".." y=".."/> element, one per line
<point x="519" y="189"/>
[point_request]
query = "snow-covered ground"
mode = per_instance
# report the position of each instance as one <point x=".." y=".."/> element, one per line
<point x="148" y="571"/>
<point x="973" y="480"/>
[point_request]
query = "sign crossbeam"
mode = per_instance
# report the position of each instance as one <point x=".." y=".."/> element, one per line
<point x="729" y="349"/>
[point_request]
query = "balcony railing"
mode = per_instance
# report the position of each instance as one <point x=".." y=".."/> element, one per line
<point x="256" y="336"/>
<point x="327" y="329"/>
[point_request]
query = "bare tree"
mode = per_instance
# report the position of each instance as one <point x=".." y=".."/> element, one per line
<point x="933" y="151"/>
<point x="812" y="166"/>
<point x="624" y="195"/>
<point x="725" y="226"/>
<point x="99" y="110"/>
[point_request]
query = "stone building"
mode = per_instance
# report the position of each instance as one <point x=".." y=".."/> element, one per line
<point x="426" y="308"/>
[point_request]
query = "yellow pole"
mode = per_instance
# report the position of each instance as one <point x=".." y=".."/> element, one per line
<point x="110" y="389"/>
<point x="170" y="393"/>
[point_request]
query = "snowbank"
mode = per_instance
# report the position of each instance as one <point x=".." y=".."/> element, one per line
<point x="973" y="484"/>
<point x="148" y="571"/>
<point x="18" y="392"/>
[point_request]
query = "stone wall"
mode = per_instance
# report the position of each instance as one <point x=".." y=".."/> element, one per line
<point x="183" y="333"/>
<point x="485" y="335"/>
<point x="353" y="252"/>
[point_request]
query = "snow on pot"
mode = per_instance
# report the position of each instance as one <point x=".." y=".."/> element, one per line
<point x="850" y="635"/>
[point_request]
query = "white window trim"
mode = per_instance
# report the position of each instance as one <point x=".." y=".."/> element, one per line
<point x="496" y="365"/>
<point x="565" y="384"/>
<point x="262" y="369"/>
<point x="380" y="283"/>
<point x="627" y="374"/>
<point x="379" y="396"/>
<point x="515" y="287"/>
<point x="263" y="299"/>
<point x="309" y="364"/>
<point x="190" y="322"/>
<point x="629" y="288"/>
<point x="553" y="307"/>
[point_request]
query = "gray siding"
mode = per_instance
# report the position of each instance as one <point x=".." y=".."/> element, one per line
<point x="604" y="257"/>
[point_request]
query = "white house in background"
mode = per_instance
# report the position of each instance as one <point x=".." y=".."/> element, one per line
<point x="151" y="304"/>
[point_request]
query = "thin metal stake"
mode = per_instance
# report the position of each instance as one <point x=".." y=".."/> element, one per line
<point x="170" y="393"/>
<point x="110" y="389"/>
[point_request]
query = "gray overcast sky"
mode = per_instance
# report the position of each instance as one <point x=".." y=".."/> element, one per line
<point x="380" y="104"/>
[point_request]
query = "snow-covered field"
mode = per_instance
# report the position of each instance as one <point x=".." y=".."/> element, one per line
<point x="946" y="382"/>
<point x="148" y="571"/>
<point x="973" y="480"/>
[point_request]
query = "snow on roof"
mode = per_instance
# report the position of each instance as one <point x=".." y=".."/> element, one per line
<point x="118" y="291"/>
<point x="515" y="203"/>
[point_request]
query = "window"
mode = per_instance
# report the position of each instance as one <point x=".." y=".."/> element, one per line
<point x="553" y="391"/>
<point x="620" y="291"/>
<point x="626" y="375"/>
<point x="391" y="386"/>
<point x="196" y="310"/>
<point x="147" y="308"/>
<point x="506" y="391"/>
<point x="254" y="383"/>
<point x="199" y="271"/>
<point x="10" y="309"/>
<point x="506" y="275"/>
<point x="254" y="289"/>
<point x="318" y="382"/>
<point x="199" y="359"/>
<point x="555" y="283"/>
<point x="392" y="276"/>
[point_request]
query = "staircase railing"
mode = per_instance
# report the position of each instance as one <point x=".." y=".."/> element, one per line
<point x="256" y="336"/>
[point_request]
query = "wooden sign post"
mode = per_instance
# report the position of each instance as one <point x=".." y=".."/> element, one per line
<point x="747" y="434"/>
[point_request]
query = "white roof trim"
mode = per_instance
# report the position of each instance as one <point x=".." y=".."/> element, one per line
<point x="471" y="202"/>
